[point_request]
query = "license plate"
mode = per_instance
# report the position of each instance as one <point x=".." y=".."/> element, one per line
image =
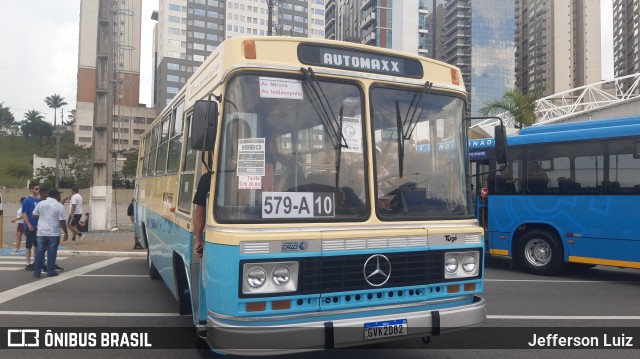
<point x="390" y="328"/>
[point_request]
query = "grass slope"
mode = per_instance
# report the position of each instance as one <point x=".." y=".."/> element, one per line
<point x="21" y="152"/>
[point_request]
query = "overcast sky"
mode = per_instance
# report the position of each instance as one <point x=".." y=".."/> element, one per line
<point x="40" y="52"/>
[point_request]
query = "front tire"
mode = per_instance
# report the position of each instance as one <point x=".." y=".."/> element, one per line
<point x="540" y="252"/>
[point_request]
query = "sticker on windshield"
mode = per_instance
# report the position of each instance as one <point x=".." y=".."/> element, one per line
<point x="250" y="182"/>
<point x="298" y="204"/>
<point x="250" y="157"/>
<point x="271" y="87"/>
<point x="352" y="132"/>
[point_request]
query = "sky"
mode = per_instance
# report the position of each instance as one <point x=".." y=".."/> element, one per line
<point x="40" y="52"/>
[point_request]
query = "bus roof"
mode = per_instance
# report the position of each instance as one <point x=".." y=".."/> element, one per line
<point x="566" y="132"/>
<point x="568" y="126"/>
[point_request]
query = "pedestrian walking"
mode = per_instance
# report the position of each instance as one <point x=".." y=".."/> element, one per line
<point x="20" y="227"/>
<point x="30" y="223"/>
<point x="130" y="211"/>
<point x="52" y="220"/>
<point x="75" y="214"/>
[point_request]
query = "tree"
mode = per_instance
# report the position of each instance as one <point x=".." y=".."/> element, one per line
<point x="55" y="101"/>
<point x="79" y="164"/>
<point x="521" y="106"/>
<point x="19" y="170"/>
<point x="34" y="125"/>
<point x="71" y="118"/>
<point x="130" y="164"/>
<point x="33" y="115"/>
<point x="6" y="118"/>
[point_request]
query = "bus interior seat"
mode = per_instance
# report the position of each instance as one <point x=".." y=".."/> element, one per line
<point x="568" y="185"/>
<point x="636" y="188"/>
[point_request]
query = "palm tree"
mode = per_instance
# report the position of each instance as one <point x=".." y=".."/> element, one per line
<point x="33" y="115"/>
<point x="55" y="101"/>
<point x="521" y="106"/>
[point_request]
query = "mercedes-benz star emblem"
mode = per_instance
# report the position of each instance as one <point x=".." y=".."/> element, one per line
<point x="377" y="270"/>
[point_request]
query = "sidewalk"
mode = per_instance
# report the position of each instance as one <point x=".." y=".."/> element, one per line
<point x="117" y="243"/>
<point x="108" y="244"/>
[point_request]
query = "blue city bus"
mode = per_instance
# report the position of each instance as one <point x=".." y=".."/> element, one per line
<point x="569" y="196"/>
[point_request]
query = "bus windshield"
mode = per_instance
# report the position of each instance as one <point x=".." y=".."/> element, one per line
<point x="282" y="153"/>
<point x="420" y="166"/>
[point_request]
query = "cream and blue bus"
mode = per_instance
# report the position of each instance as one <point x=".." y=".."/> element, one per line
<point x="325" y="228"/>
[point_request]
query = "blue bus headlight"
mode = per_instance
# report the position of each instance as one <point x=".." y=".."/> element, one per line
<point x="269" y="277"/>
<point x="461" y="264"/>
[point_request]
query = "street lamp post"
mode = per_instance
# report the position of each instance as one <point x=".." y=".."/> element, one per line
<point x="270" y="5"/>
<point x="58" y="131"/>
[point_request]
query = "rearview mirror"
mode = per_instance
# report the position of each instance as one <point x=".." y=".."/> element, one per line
<point x="500" y="136"/>
<point x="204" y="125"/>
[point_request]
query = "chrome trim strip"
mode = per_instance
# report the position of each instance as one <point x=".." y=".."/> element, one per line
<point x="332" y="227"/>
<point x="213" y="315"/>
<point x="373" y="243"/>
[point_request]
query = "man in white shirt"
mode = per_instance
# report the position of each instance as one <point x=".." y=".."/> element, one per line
<point x="75" y="214"/>
<point x="51" y="219"/>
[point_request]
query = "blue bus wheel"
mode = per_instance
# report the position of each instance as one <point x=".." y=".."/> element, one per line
<point x="540" y="252"/>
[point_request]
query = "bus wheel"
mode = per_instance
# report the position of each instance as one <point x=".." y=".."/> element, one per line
<point x="153" y="272"/>
<point x="540" y="252"/>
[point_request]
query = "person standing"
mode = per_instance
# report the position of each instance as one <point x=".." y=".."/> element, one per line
<point x="52" y="219"/>
<point x="75" y="214"/>
<point x="30" y="223"/>
<point x="20" y="227"/>
<point x="200" y="213"/>
<point x="130" y="211"/>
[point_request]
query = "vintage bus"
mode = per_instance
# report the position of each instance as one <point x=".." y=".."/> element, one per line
<point x="569" y="196"/>
<point x="324" y="227"/>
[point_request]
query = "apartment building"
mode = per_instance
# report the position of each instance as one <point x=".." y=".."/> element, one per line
<point x="558" y="44"/>
<point x="626" y="37"/>
<point x="187" y="31"/>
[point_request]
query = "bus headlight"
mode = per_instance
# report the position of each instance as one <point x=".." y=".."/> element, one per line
<point x="461" y="264"/>
<point x="469" y="264"/>
<point x="451" y="264"/>
<point x="281" y="275"/>
<point x="256" y="277"/>
<point x="269" y="277"/>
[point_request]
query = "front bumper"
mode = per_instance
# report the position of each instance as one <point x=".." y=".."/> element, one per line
<point x="338" y="333"/>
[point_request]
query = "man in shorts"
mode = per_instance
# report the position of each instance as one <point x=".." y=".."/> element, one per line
<point x="30" y="223"/>
<point x="75" y="214"/>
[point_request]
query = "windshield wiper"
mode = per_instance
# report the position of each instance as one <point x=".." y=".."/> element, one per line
<point x="327" y="116"/>
<point x="406" y="127"/>
<point x="325" y="112"/>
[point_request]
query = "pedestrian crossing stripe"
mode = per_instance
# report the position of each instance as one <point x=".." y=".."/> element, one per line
<point x="14" y="263"/>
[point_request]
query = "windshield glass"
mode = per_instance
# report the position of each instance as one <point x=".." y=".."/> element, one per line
<point x="433" y="182"/>
<point x="279" y="154"/>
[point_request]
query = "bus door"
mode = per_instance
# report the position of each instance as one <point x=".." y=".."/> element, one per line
<point x="481" y="190"/>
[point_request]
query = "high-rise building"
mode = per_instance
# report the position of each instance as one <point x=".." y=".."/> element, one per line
<point x="188" y="31"/>
<point x="410" y="26"/>
<point x="479" y="39"/>
<point x="471" y="35"/>
<point x="129" y="117"/>
<point x="557" y="44"/>
<point x="626" y="37"/>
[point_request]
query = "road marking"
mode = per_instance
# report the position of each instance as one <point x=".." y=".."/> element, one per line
<point x="45" y="282"/>
<point x="87" y="314"/>
<point x="566" y="317"/>
<point x="5" y="260"/>
<point x="20" y="257"/>
<point x="11" y="268"/>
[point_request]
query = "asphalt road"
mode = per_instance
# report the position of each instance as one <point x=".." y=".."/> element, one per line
<point x="117" y="292"/>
